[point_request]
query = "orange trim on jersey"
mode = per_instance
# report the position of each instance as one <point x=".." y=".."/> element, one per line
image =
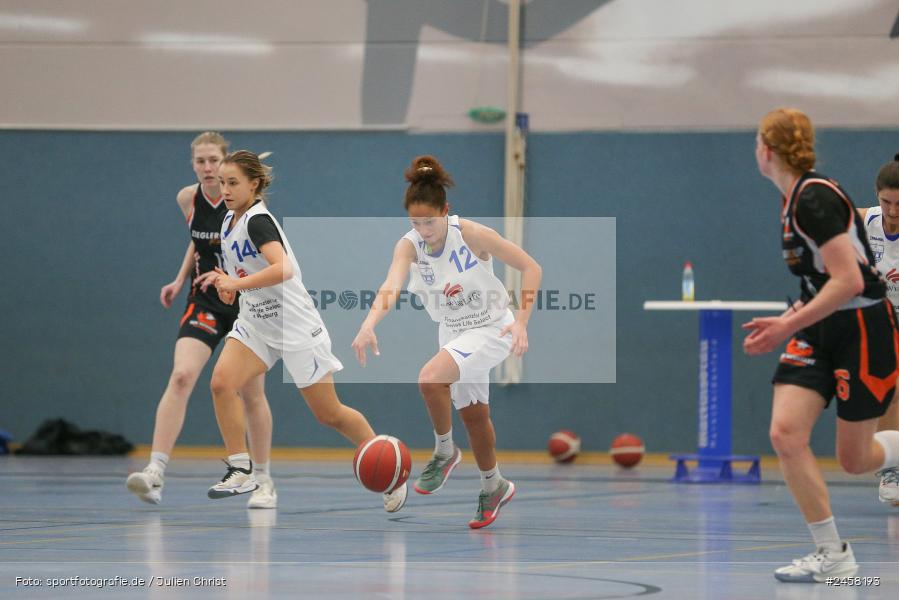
<point x="213" y="203"/>
<point x="879" y="386"/>
<point x="190" y="308"/>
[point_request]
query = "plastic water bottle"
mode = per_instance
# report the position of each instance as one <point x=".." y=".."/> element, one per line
<point x="688" y="292"/>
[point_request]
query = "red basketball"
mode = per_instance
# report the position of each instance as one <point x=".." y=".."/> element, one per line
<point x="627" y="450"/>
<point x="564" y="446"/>
<point x="382" y="463"/>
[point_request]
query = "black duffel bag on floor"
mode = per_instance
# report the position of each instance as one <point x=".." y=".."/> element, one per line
<point x="57" y="436"/>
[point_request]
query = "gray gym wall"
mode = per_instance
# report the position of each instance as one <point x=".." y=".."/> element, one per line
<point x="642" y="111"/>
<point x="93" y="232"/>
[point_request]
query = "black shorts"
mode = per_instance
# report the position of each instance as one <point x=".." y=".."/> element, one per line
<point x="208" y="326"/>
<point x="851" y="354"/>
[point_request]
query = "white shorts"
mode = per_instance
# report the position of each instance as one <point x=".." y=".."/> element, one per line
<point x="305" y="366"/>
<point x="476" y="351"/>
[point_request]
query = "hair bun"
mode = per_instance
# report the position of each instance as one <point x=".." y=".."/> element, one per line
<point x="427" y="170"/>
<point x="896" y="157"/>
<point x="428" y="181"/>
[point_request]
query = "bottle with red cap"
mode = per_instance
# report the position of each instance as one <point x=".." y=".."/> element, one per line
<point x="688" y="292"/>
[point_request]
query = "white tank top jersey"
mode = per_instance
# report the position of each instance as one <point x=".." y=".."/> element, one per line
<point x="283" y="315"/>
<point x="886" y="251"/>
<point x="458" y="289"/>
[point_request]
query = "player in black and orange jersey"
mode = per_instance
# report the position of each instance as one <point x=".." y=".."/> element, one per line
<point x="843" y="339"/>
<point x="205" y="322"/>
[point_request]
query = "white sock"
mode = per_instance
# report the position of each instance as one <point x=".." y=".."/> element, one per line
<point x="491" y="479"/>
<point x="262" y="469"/>
<point x="160" y="460"/>
<point x="825" y="535"/>
<point x="889" y="441"/>
<point x="444" y="443"/>
<point x="241" y="461"/>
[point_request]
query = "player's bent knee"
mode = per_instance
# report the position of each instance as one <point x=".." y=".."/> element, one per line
<point x="426" y="388"/>
<point x="787" y="442"/>
<point x="853" y="462"/>
<point x="182" y="380"/>
<point x="430" y="387"/>
<point x="425" y="376"/>
<point x="475" y="414"/>
<point x="221" y="384"/>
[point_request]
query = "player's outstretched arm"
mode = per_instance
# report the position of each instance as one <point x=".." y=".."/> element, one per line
<point x="279" y="270"/>
<point x="170" y="291"/>
<point x="483" y="239"/>
<point x="846" y="282"/>
<point x="388" y="293"/>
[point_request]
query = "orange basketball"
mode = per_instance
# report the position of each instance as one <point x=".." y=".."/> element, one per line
<point x="382" y="463"/>
<point x="627" y="450"/>
<point x="564" y="446"/>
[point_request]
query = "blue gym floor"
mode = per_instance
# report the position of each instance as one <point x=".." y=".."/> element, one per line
<point x="570" y="532"/>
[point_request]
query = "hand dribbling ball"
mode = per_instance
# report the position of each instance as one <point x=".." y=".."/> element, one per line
<point x="382" y="463"/>
<point x="564" y="446"/>
<point x="627" y="450"/>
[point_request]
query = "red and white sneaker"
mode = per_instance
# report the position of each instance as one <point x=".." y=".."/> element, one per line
<point x="489" y="504"/>
<point x="436" y="472"/>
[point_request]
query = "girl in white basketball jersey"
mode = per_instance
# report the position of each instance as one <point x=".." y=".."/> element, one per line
<point x="277" y="320"/>
<point x="206" y="321"/>
<point x="449" y="263"/>
<point x="882" y="226"/>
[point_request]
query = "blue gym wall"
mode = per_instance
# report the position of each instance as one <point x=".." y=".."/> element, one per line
<point x="92" y="232"/>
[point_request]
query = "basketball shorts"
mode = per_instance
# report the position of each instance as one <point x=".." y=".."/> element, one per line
<point x="851" y="355"/>
<point x="306" y="366"/>
<point x="200" y="323"/>
<point x="476" y="351"/>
